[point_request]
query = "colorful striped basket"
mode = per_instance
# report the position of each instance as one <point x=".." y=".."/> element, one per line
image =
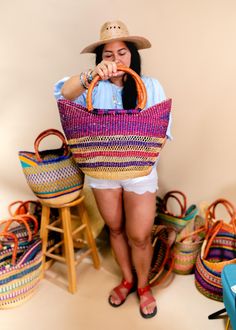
<point x="53" y="175"/>
<point x="217" y="251"/>
<point x="176" y="221"/>
<point x="115" y="144"/>
<point x="163" y="238"/>
<point x="188" y="245"/>
<point x="20" y="265"/>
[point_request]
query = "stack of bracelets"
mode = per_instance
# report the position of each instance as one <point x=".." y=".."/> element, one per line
<point x="86" y="78"/>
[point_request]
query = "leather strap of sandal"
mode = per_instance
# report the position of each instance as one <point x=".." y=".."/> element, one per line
<point x="126" y="284"/>
<point x="141" y="291"/>
<point x="149" y="300"/>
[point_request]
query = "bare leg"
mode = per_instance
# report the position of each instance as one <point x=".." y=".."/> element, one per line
<point x="140" y="213"/>
<point x="110" y="205"/>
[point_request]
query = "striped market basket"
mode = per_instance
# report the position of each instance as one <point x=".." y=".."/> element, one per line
<point x="115" y="144"/>
<point x="20" y="265"/>
<point x="167" y="218"/>
<point x="52" y="175"/>
<point x="188" y="245"/>
<point x="217" y="251"/>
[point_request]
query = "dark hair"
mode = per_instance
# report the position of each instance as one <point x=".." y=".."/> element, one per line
<point x="129" y="92"/>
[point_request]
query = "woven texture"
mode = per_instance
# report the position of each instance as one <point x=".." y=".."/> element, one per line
<point x="19" y="281"/>
<point x="115" y="144"/>
<point x="187" y="246"/>
<point x="217" y="251"/>
<point x="55" y="178"/>
<point x="163" y="239"/>
<point x="167" y="218"/>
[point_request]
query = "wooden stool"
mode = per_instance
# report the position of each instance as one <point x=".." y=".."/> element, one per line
<point x="63" y="225"/>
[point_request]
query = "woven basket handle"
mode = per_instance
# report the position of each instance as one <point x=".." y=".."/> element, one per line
<point x="30" y="218"/>
<point x="42" y="135"/>
<point x="211" y="213"/>
<point x="211" y="234"/>
<point x="141" y="90"/>
<point x="22" y="207"/>
<point x="20" y="220"/>
<point x="12" y="236"/>
<point x="183" y="204"/>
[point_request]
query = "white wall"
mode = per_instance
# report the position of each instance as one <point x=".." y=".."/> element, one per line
<point x="193" y="56"/>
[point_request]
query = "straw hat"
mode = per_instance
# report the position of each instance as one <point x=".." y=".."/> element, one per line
<point x="115" y="31"/>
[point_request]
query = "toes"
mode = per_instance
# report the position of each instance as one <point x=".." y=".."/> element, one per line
<point x="114" y="298"/>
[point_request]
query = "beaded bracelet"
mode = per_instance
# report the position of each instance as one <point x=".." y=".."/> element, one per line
<point x="89" y="76"/>
<point x="86" y="78"/>
<point x="82" y="78"/>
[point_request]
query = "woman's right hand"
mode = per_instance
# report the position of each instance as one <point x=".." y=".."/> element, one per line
<point x="106" y="70"/>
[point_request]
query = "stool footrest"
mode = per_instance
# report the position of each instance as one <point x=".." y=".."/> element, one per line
<point x="54" y="247"/>
<point x="78" y="229"/>
<point x="82" y="256"/>
<point x="55" y="256"/>
<point x="59" y="230"/>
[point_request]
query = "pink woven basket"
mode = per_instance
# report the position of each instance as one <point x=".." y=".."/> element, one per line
<point x="115" y="143"/>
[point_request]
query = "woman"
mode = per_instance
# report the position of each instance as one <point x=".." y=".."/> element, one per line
<point x="127" y="206"/>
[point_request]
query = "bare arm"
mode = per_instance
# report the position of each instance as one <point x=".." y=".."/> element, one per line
<point x="73" y="87"/>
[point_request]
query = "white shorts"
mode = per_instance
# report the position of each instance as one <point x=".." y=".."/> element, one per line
<point x="148" y="183"/>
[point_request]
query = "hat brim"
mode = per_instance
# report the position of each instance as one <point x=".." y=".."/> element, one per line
<point x="140" y="43"/>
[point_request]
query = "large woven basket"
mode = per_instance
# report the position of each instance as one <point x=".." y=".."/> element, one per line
<point x="20" y="262"/>
<point x="116" y="143"/>
<point x="53" y="175"/>
<point x="217" y="251"/>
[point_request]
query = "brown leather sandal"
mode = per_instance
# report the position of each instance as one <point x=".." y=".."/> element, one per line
<point x="124" y="284"/>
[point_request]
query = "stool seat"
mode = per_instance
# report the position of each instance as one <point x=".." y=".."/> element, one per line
<point x="62" y="225"/>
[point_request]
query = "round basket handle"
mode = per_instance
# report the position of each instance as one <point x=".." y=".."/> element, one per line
<point x="211" y="212"/>
<point x="21" y="207"/>
<point x="141" y="90"/>
<point x="18" y="219"/>
<point x="42" y="135"/>
<point x="182" y="204"/>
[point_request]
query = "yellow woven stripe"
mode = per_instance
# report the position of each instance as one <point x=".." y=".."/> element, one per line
<point x="111" y="174"/>
<point x="27" y="161"/>
<point x="116" y="138"/>
<point x="14" y="303"/>
<point x="54" y="194"/>
<point x="113" y="159"/>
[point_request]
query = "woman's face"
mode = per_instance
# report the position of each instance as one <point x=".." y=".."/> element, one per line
<point x="118" y="52"/>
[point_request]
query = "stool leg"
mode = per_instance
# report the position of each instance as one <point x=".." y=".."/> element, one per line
<point x="69" y="248"/>
<point x="90" y="239"/>
<point x="45" y="218"/>
<point x="227" y="324"/>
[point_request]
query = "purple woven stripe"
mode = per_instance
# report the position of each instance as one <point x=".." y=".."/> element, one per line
<point x="78" y="122"/>
<point x="206" y="285"/>
<point x="111" y="164"/>
<point x="115" y="143"/>
<point x="221" y="254"/>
